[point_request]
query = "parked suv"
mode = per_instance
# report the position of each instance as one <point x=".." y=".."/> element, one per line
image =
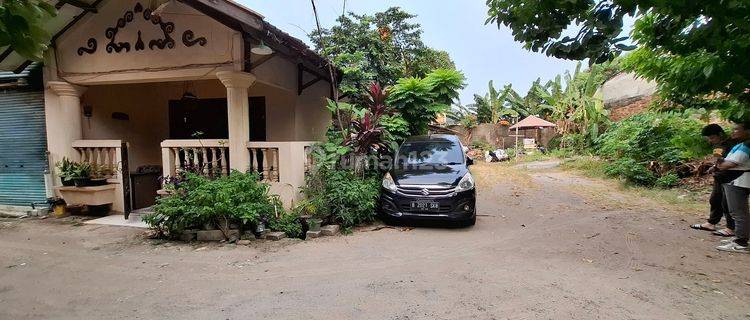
<point x="429" y="180"/>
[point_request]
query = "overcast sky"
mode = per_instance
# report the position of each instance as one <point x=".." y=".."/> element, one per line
<point x="482" y="52"/>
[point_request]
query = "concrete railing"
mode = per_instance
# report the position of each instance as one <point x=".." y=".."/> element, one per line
<point x="283" y="165"/>
<point x="103" y="155"/>
<point x="106" y="156"/>
<point x="209" y="157"/>
<point x="264" y="159"/>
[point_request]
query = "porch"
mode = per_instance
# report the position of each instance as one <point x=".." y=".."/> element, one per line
<point x="195" y="126"/>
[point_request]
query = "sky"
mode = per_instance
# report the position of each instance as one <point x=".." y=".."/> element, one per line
<point x="482" y="52"/>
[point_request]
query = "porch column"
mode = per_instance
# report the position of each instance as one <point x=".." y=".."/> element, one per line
<point x="64" y="120"/>
<point x="238" y="115"/>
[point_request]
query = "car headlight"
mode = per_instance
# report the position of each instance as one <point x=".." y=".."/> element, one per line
<point x="388" y="183"/>
<point x="466" y="183"/>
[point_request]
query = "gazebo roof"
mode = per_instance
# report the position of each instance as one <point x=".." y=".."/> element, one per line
<point x="533" y="122"/>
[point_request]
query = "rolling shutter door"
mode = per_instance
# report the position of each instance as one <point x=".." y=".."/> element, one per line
<point x="23" y="148"/>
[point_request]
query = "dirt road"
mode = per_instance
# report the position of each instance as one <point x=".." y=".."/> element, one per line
<point x="548" y="245"/>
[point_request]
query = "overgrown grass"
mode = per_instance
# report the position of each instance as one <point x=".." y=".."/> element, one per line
<point x="679" y="198"/>
<point x="589" y="166"/>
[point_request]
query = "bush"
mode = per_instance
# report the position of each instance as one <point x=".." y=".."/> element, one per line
<point x="573" y="142"/>
<point x="669" y="138"/>
<point x="482" y="145"/>
<point x="342" y="197"/>
<point x="668" y="180"/>
<point x="239" y="198"/>
<point x="288" y="223"/>
<point x="352" y="199"/>
<point x="631" y="171"/>
<point x="646" y="148"/>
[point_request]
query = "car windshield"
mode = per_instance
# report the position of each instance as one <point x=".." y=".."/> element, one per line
<point x="430" y="152"/>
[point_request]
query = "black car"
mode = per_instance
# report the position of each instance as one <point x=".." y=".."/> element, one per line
<point x="429" y="180"/>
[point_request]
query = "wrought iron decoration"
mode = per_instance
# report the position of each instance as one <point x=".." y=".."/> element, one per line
<point x="188" y="39"/>
<point x="90" y="47"/>
<point x="167" y="42"/>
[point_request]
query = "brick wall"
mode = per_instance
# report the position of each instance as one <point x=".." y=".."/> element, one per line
<point x="617" y="113"/>
<point x="500" y="136"/>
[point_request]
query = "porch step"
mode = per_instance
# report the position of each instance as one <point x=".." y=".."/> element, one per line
<point x="137" y="215"/>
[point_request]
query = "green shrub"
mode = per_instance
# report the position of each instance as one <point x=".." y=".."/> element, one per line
<point x="631" y="171"/>
<point x="239" y="198"/>
<point x="288" y="223"/>
<point x="574" y="142"/>
<point x="669" y="138"/>
<point x="668" y="180"/>
<point x="664" y="139"/>
<point x="341" y="196"/>
<point x="352" y="199"/>
<point x="482" y="145"/>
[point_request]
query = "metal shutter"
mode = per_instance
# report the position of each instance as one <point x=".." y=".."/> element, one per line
<point x="23" y="148"/>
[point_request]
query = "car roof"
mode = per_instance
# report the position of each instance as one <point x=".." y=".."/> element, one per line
<point x="434" y="137"/>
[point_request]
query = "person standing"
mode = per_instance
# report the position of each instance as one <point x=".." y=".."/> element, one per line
<point x="734" y="171"/>
<point x="722" y="144"/>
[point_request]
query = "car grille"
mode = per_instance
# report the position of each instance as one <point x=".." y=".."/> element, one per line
<point x="418" y="191"/>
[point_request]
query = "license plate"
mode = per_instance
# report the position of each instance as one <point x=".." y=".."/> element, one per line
<point x="425" y="205"/>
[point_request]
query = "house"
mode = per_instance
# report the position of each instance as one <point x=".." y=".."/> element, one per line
<point x="626" y="95"/>
<point x="206" y="85"/>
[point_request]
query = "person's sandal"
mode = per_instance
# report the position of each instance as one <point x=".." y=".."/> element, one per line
<point x="699" y="226"/>
<point x="723" y="233"/>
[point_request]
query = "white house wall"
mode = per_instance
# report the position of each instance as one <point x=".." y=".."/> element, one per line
<point x="312" y="118"/>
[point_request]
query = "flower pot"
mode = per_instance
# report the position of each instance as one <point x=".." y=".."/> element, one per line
<point x="98" y="182"/>
<point x="82" y="182"/>
<point x="314" y="224"/>
<point x="67" y="183"/>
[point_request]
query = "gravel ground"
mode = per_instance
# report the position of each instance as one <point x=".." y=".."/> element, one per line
<point x="547" y="245"/>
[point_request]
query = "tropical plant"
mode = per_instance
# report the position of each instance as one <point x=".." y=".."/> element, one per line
<point x="576" y="104"/>
<point x="695" y="50"/>
<point x="81" y="170"/>
<point x="66" y="169"/>
<point x="367" y="132"/>
<point x="465" y="116"/>
<point x="420" y="100"/>
<point x="22" y="27"/>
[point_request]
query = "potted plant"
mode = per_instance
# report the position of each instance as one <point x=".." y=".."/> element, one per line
<point x="99" y="175"/>
<point x="66" y="169"/>
<point x="309" y="214"/>
<point x="81" y="174"/>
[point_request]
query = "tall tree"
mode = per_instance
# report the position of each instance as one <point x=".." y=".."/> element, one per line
<point x="695" y="50"/>
<point x="575" y="103"/>
<point x="22" y="26"/>
<point x="383" y="47"/>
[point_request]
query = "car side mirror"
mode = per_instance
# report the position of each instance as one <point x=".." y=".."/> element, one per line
<point x="469" y="161"/>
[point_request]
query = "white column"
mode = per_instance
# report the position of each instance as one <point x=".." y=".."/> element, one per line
<point x="238" y="113"/>
<point x="64" y="121"/>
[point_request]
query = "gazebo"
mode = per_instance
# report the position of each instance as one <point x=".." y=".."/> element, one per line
<point x="532" y="122"/>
